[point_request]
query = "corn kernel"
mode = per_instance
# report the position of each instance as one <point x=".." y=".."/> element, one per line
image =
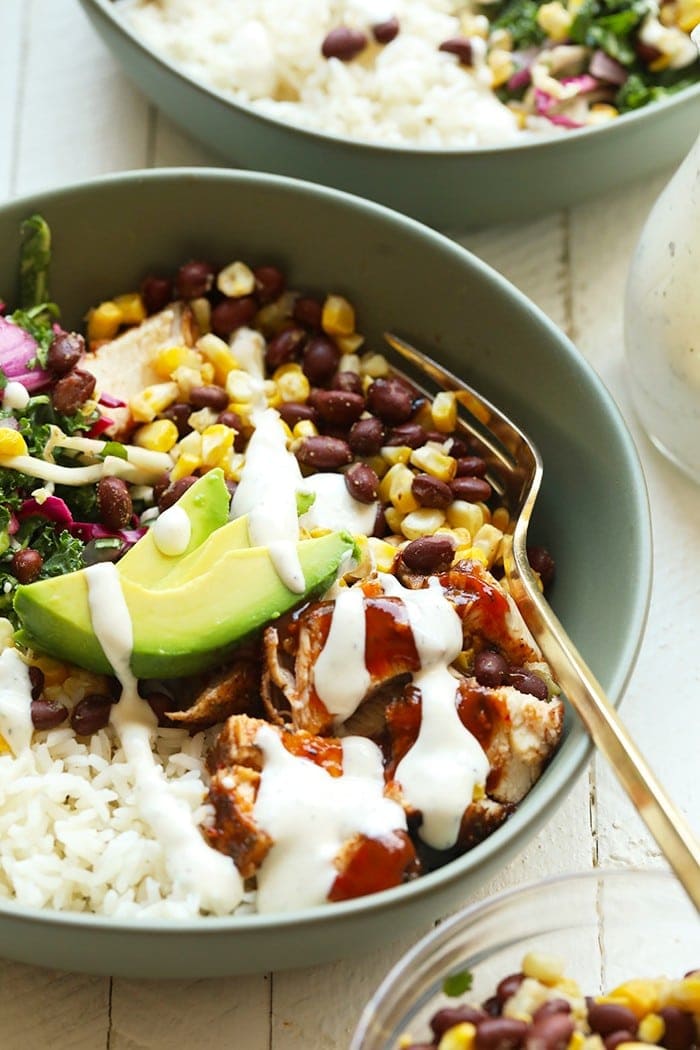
<point x="103" y="321"/>
<point x="152" y="401"/>
<point x="577" y="1041"/>
<point x="338" y="317"/>
<point x="500" y="519"/>
<point x="378" y="464"/>
<point x="219" y="354"/>
<point x="288" y="436"/>
<point x="686" y="994"/>
<point x="660" y="63"/>
<point x="304" y="428"/>
<point x="431" y="461"/>
<point x="501" y="38"/>
<point x="374" y="365"/>
<point x="207" y="373"/>
<point x="543" y="967"/>
<point x="444" y="411"/>
<point x="131" y="308"/>
<point x="216" y="441"/>
<point x="555" y="20"/>
<point x="641" y="996"/>
<point x="158" y="436"/>
<point x="393" y="454"/>
<point x="5" y="748"/>
<point x="422" y="522"/>
<point x="474" y="25"/>
<point x="501" y="65"/>
<point x="275" y="316"/>
<point x="349" y="344"/>
<point x="601" y="113"/>
<point x="459" y="1037"/>
<point x="293" y="385"/>
<point x="239" y="385"/>
<point x="173" y="357"/>
<point x="395" y="487"/>
<point x="463" y="515"/>
<point x="393" y="519"/>
<point x="187" y="378"/>
<point x="12" y="443"/>
<point x="201" y="311"/>
<point x="651" y="1028"/>
<point x="236" y="280"/>
<point x="688" y="15"/>
<point x="488" y="539"/>
<point x="232" y="465"/>
<point x="383" y="554"/>
<point x="185" y="466"/>
<point x="202" y="418"/>
<point x="349" y="363"/>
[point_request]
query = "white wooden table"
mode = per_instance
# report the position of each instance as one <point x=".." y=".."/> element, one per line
<point x="67" y="113"/>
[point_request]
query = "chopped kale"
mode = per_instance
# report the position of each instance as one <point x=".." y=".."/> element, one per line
<point x="642" y="87"/>
<point x="61" y="552"/>
<point x="38" y="321"/>
<point x="610" y="25"/>
<point x="81" y="501"/>
<point x="34" y="261"/>
<point x="519" y="17"/>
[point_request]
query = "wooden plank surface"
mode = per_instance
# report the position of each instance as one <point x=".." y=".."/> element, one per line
<point x="68" y="113"/>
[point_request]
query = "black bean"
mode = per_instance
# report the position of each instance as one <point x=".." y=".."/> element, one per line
<point x="231" y="314"/>
<point x="412" y="435"/>
<point x="343" y="43"/>
<point x="542" y="562"/>
<point x="391" y="400"/>
<point x="36" y="680"/>
<point x="431" y="492"/>
<point x="233" y="420"/>
<point x="470" y="466"/>
<point x="159" y="704"/>
<point x="320" y="361"/>
<point x="528" y="682"/>
<point x="270" y="282"/>
<point x="605" y="1018"/>
<point x="72" y="390"/>
<point x="349" y="381"/>
<point x="428" y="554"/>
<point x="450" y="1016"/>
<point x="552" y="1006"/>
<point x="366" y="437"/>
<point x="613" y="1040"/>
<point x="194" y="279"/>
<point x="324" y="453"/>
<point x="292" y="412"/>
<point x="156" y="293"/>
<point x="284" y="347"/>
<point x="64" y="352"/>
<point x="91" y="714"/>
<point x="500" y="1033"/>
<point x="308" y="311"/>
<point x="385" y="32"/>
<point x="551" y="1032"/>
<point x="213" y="397"/>
<point x="362" y="482"/>
<point x="491" y="669"/>
<point x="173" y="492"/>
<point x="460" y="46"/>
<point x="179" y="413"/>
<point x="47" y="714"/>
<point x="340" y="408"/>
<point x="473" y="490"/>
<point x="508" y="985"/>
<point x="114" y="503"/>
<point x="27" y="565"/>
<point x="380" y="525"/>
<point x="679" y="1031"/>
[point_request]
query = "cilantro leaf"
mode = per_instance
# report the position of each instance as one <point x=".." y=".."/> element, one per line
<point x="458" y="983"/>
<point x="34" y="260"/>
<point x="519" y="17"/>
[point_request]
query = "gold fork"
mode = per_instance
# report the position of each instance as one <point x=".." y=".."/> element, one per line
<point x="515" y="471"/>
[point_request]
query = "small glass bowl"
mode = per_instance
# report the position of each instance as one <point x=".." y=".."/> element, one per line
<point x="609" y="926"/>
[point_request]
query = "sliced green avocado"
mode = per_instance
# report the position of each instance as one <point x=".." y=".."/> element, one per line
<point x="206" y="505"/>
<point x="229" y="537"/>
<point x="178" y="630"/>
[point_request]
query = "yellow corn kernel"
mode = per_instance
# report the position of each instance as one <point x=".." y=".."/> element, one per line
<point x="219" y="354"/>
<point x="11" y="443"/>
<point x="688" y="15"/>
<point x="232" y="465"/>
<point x="185" y="466"/>
<point x="488" y="539"/>
<point x="567" y="985"/>
<point x="349" y="362"/>
<point x="459" y="1037"/>
<point x="349" y="344"/>
<point x="216" y="441"/>
<point x="244" y="410"/>
<point x="103" y="321"/>
<point x="393" y="519"/>
<point x="601" y="113"/>
<point x="187" y="378"/>
<point x="461" y="514"/>
<point x="338" y="317"/>
<point x="236" y="280"/>
<point x="201" y="311"/>
<point x="395" y="487"/>
<point x="577" y="1041"/>
<point x="438" y="464"/>
<point x="378" y="464"/>
<point x="131" y="307"/>
<point x="473" y="554"/>
<point x="152" y="401"/>
<point x="291" y="383"/>
<point x="460" y="536"/>
<point x="651" y="1029"/>
<point x="423" y="522"/>
<point x="275" y="316"/>
<point x="5" y="748"/>
<point x="660" y="63"/>
<point x="239" y="385"/>
<point x="542" y="967"/>
<point x="500" y="519"/>
<point x="393" y="454"/>
<point x="304" y="428"/>
<point x="207" y="372"/>
<point x="473" y="25"/>
<point x="685" y="994"/>
<point x="639" y="994"/>
<point x="501" y="65"/>
<point x="158" y="436"/>
<point x="173" y="357"/>
<point x="555" y="20"/>
<point x="374" y="365"/>
<point x="383" y="554"/>
<point x="501" y="38"/>
<point x="287" y="430"/>
<point x="444" y="411"/>
<point x="202" y="418"/>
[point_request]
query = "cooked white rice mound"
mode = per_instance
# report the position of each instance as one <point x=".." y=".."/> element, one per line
<point x="268" y="53"/>
<point x="70" y="833"/>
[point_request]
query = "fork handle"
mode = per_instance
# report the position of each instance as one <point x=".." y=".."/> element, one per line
<point x="585" y="694"/>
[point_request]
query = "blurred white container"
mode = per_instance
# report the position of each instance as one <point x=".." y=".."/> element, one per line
<point x="662" y="319"/>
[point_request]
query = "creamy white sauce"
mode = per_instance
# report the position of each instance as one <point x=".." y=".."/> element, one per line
<point x="440" y="771"/>
<point x="267" y="494"/>
<point x="195" y="868"/>
<point x="248" y="347"/>
<point x="15" y="395"/>
<point x="15" y="701"/>
<point x="334" y="507"/>
<point x="310" y="815"/>
<point x="172" y="531"/>
<point x="341" y="677"/>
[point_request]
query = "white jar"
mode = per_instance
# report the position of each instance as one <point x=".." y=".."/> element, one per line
<point x="662" y="319"/>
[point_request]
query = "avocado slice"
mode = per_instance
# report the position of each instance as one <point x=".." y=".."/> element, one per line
<point x="206" y="504"/>
<point x="183" y="629"/>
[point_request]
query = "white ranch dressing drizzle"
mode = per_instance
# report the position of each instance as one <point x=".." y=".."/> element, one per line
<point x="15" y="701"/>
<point x="310" y="815"/>
<point x="341" y="677"/>
<point x="172" y="531"/>
<point x="15" y="395"/>
<point x="195" y="868"/>
<point x="446" y="762"/>
<point x="267" y="493"/>
<point x="334" y="507"/>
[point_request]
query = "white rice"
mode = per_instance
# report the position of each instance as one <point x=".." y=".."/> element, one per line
<point x="70" y="834"/>
<point x="268" y="53"/>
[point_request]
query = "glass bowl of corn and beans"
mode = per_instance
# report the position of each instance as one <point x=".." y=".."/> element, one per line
<point x="599" y="960"/>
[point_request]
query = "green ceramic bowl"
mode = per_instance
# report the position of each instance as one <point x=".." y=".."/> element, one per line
<point x="109" y="232"/>
<point x="449" y="189"/>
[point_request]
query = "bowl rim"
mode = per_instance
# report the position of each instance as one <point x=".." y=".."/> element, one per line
<point x="400" y="973"/>
<point x="554" y="141"/>
<point x="576" y="749"/>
